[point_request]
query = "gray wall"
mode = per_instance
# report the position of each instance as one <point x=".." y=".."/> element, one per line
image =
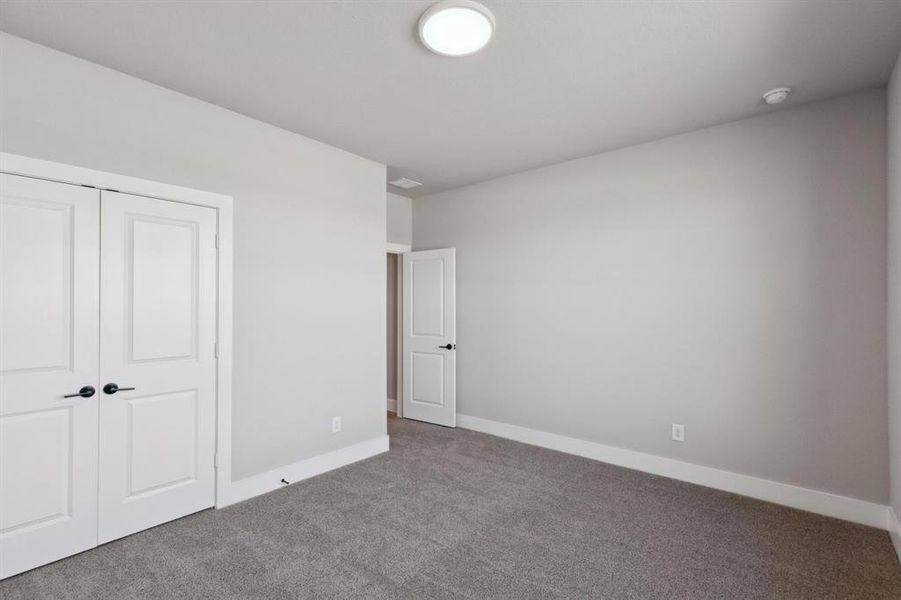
<point x="400" y="219"/>
<point x="310" y="239"/>
<point x="731" y="279"/>
<point x="894" y="199"/>
<point x="400" y="231"/>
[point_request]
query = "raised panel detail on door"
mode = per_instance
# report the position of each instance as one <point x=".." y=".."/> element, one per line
<point x="154" y="467"/>
<point x="429" y="331"/>
<point x="36" y="316"/>
<point x="428" y="297"/>
<point x="163" y="293"/>
<point x="428" y="378"/>
<point x="49" y="280"/>
<point x="35" y="488"/>
<point x="158" y="335"/>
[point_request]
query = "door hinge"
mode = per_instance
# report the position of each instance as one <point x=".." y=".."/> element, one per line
<point x="216" y="241"/>
<point x="216" y="461"/>
<point x="216" y="349"/>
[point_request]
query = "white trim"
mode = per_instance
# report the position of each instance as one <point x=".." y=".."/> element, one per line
<point x="824" y="503"/>
<point x="392" y="405"/>
<point x="399" y="370"/>
<point x="399" y="378"/>
<point x="26" y="166"/>
<point x="393" y="248"/>
<point x="399" y="388"/>
<point x="894" y="530"/>
<point x="225" y="349"/>
<point x="244" y="489"/>
<point x="43" y="169"/>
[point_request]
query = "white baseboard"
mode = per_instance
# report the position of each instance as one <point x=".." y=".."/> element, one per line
<point x="392" y="405"/>
<point x="894" y="529"/>
<point x="824" y="503"/>
<point x="244" y="489"/>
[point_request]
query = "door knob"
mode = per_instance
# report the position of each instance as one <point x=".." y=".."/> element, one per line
<point x="85" y="392"/>
<point x="112" y="388"/>
<point x="447" y="347"/>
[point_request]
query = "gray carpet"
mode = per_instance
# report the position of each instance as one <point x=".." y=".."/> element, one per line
<point x="457" y="514"/>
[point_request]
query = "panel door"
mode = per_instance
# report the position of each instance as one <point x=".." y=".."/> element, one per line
<point x="49" y="281"/>
<point x="429" y="365"/>
<point x="157" y="335"/>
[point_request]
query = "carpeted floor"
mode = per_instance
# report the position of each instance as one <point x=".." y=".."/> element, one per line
<point x="457" y="514"/>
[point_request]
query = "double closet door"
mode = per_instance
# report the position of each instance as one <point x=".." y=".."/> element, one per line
<point x="107" y="366"/>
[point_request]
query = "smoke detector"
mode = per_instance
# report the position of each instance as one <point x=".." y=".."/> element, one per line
<point x="404" y="183"/>
<point x="777" y="96"/>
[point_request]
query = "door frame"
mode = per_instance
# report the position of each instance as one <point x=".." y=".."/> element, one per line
<point x="15" y="164"/>
<point x="398" y="250"/>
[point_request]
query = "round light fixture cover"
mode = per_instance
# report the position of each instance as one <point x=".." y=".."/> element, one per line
<point x="456" y="27"/>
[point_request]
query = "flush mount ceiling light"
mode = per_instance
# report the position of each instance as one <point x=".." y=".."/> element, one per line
<point x="456" y="27"/>
<point x="777" y="96"/>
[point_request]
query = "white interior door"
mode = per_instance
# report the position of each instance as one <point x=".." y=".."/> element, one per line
<point x="49" y="281"/>
<point x="429" y="307"/>
<point x="157" y="335"/>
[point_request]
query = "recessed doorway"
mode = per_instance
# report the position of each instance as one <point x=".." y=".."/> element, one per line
<point x="393" y="336"/>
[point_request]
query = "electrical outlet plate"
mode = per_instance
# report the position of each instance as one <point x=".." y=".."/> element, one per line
<point x="678" y="432"/>
<point x="336" y="424"/>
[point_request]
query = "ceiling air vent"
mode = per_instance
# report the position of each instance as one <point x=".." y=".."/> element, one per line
<point x="404" y="183"/>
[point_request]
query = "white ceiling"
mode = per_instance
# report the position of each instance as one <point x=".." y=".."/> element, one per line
<point x="561" y="79"/>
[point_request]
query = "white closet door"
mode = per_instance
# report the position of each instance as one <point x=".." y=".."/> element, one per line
<point x="430" y="316"/>
<point x="49" y="259"/>
<point x="157" y="335"/>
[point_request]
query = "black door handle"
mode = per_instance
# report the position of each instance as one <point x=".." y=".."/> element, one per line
<point x="447" y="347"/>
<point x="112" y="388"/>
<point x="85" y="392"/>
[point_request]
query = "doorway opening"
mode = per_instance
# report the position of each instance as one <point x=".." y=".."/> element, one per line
<point x="421" y="334"/>
<point x="394" y="392"/>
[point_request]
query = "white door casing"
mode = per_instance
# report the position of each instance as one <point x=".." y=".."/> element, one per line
<point x="157" y="335"/>
<point x="429" y="336"/>
<point x="49" y="281"/>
